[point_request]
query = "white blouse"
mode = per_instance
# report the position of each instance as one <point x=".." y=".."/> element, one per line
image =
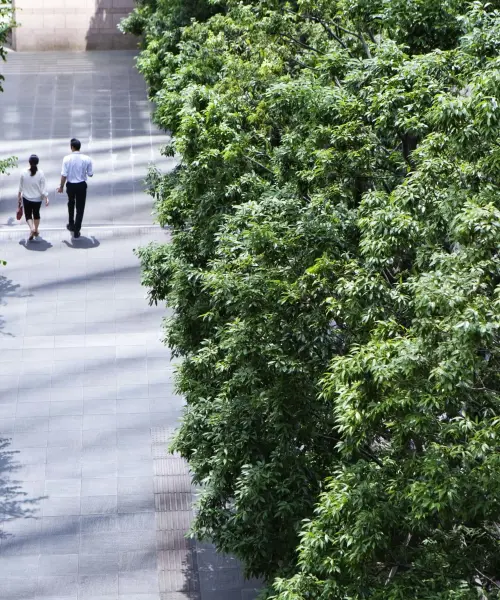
<point x="34" y="187"/>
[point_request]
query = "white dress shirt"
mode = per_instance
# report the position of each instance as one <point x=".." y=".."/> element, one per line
<point x="34" y="187"/>
<point x="76" y="167"/>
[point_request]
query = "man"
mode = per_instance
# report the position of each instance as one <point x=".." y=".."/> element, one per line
<point x="76" y="168"/>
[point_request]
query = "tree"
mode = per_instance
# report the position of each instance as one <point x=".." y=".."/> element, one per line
<point x="6" y="24"/>
<point x="334" y="279"/>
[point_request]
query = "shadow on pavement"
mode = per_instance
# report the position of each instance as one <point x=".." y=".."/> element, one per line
<point x="83" y="243"/>
<point x="14" y="503"/>
<point x="7" y="288"/>
<point x="39" y="246"/>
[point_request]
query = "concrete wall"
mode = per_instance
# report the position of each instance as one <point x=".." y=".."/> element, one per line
<point x="71" y="25"/>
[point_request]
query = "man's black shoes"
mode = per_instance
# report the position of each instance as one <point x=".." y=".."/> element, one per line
<point x="76" y="234"/>
<point x="70" y="227"/>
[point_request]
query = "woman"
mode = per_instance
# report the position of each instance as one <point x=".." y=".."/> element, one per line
<point x="32" y="189"/>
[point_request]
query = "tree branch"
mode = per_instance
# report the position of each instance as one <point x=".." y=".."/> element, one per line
<point x="358" y="35"/>
<point x="325" y="26"/>
<point x="394" y="569"/>
<point x="256" y="162"/>
<point x="488" y="578"/>
<point x="290" y="37"/>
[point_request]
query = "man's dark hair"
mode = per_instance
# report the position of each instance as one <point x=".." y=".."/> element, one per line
<point x="76" y="144"/>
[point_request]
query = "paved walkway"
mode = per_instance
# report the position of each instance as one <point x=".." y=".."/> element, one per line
<point x="87" y="404"/>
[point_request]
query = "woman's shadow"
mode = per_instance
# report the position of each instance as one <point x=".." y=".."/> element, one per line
<point x="38" y="246"/>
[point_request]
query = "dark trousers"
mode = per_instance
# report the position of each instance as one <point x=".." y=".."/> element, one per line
<point x="31" y="209"/>
<point x="77" y="194"/>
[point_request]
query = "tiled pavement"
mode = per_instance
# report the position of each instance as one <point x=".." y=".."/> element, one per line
<point x="86" y="397"/>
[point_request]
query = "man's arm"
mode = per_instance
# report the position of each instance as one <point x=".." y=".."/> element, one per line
<point x="90" y="169"/>
<point x="64" y="176"/>
<point x="61" y="186"/>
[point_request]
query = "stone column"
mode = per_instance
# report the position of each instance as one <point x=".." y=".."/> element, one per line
<point x="71" y="25"/>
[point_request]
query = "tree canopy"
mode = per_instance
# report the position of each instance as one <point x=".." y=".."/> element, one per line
<point x="6" y="24"/>
<point x="334" y="275"/>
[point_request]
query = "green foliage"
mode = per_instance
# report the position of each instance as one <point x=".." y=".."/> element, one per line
<point x="6" y="24"/>
<point x="335" y="283"/>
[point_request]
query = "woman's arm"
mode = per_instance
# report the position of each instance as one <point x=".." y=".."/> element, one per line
<point x="20" y="192"/>
<point x="43" y="190"/>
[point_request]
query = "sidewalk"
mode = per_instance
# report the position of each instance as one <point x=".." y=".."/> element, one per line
<point x="86" y="394"/>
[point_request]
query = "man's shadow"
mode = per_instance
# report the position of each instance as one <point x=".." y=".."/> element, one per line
<point x="38" y="246"/>
<point x="83" y="243"/>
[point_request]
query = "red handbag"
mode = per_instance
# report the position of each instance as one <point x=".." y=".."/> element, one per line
<point x="19" y="214"/>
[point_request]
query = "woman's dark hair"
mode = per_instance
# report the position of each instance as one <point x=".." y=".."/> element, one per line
<point x="34" y="160"/>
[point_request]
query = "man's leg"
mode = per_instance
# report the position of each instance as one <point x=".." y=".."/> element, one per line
<point x="81" y="196"/>
<point x="70" y="190"/>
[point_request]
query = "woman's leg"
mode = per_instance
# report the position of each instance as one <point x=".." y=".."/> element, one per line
<point x="36" y="217"/>
<point x="28" y="211"/>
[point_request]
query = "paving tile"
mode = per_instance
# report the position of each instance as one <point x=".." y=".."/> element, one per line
<point x="100" y="487"/>
<point x="65" y="423"/>
<point x="95" y="468"/>
<point x="130" y="541"/>
<point x="61" y="525"/>
<point x="63" y="467"/>
<point x="138" y="561"/>
<point x="132" y="405"/>
<point x="67" y="439"/>
<point x="19" y="566"/>
<point x="97" y="437"/>
<point x="171" y="540"/>
<point x="173" y="502"/>
<point x="55" y="507"/>
<point x="134" y="468"/>
<point x="93" y="585"/>
<point x="32" y="456"/>
<point x="18" y="588"/>
<point x="131" y="421"/>
<point x="64" y="565"/>
<point x="133" y="438"/>
<point x="153" y="596"/>
<point x="60" y="544"/>
<point x="135" y="485"/>
<point x="63" y="487"/>
<point x="99" y="421"/>
<point x="20" y="545"/>
<point x="132" y="391"/>
<point x="30" y="440"/>
<point x="65" y="394"/>
<point x="32" y="409"/>
<point x="141" y="521"/>
<point x="173" y="520"/>
<point x="32" y="425"/>
<point x="101" y="406"/>
<point x="99" y="524"/>
<point x="69" y="408"/>
<point x="99" y="505"/>
<point x="99" y="543"/>
<point x="138" y="582"/>
<point x="99" y="564"/>
<point x="135" y="503"/>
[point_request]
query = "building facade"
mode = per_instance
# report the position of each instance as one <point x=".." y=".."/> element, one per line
<point x="71" y="25"/>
